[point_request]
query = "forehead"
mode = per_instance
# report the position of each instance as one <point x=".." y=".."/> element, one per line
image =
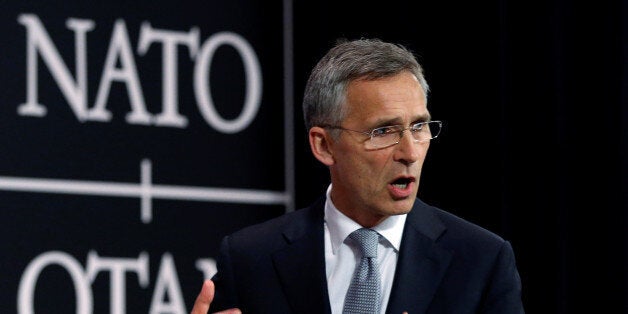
<point x="395" y="99"/>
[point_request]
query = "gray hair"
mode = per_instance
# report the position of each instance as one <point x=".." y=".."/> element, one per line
<point x="369" y="59"/>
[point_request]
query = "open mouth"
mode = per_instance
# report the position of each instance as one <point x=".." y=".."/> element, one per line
<point x="402" y="183"/>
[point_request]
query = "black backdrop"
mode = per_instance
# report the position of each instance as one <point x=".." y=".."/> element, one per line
<point x="535" y="146"/>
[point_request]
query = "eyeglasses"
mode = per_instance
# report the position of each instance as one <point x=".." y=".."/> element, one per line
<point x="391" y="135"/>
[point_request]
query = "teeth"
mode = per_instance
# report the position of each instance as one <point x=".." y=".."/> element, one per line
<point x="400" y="185"/>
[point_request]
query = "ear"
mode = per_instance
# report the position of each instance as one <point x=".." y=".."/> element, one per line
<point x="320" y="142"/>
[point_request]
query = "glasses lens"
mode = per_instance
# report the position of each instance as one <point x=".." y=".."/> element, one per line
<point x="426" y="131"/>
<point x="435" y="127"/>
<point x="385" y="136"/>
<point x="389" y="135"/>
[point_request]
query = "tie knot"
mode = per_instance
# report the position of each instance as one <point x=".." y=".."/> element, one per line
<point x="367" y="240"/>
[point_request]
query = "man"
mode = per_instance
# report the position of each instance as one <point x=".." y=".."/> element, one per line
<point x="365" y="106"/>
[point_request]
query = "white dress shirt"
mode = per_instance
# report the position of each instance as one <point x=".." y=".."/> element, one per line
<point x="341" y="259"/>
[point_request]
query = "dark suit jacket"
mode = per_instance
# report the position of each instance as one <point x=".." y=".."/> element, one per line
<point x="445" y="265"/>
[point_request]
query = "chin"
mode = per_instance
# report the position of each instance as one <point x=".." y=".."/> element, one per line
<point x="410" y="201"/>
<point x="402" y="207"/>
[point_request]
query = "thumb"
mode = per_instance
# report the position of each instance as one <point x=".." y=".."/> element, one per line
<point x="204" y="298"/>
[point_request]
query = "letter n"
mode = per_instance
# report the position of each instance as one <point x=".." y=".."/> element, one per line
<point x="38" y="42"/>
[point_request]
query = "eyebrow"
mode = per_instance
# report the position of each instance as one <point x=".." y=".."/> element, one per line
<point x="423" y="118"/>
<point x="397" y="121"/>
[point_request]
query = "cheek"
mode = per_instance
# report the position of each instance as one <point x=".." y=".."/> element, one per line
<point x="361" y="168"/>
<point x="375" y="170"/>
<point x="364" y="168"/>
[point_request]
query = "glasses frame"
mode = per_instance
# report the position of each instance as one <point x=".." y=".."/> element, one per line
<point x="372" y="133"/>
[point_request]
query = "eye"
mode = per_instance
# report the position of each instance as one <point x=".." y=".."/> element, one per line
<point x="383" y="131"/>
<point x="417" y="127"/>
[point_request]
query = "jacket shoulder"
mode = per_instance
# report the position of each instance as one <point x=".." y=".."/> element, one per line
<point x="275" y="231"/>
<point x="459" y="231"/>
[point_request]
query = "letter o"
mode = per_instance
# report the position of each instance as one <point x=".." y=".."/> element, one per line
<point x="253" y="78"/>
<point x="82" y="290"/>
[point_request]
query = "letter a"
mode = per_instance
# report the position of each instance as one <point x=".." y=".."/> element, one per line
<point x="120" y="49"/>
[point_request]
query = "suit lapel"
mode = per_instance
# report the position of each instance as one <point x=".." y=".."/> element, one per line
<point x="301" y="264"/>
<point x="421" y="265"/>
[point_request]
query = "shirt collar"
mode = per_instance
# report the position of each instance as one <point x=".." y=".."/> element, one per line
<point x="340" y="226"/>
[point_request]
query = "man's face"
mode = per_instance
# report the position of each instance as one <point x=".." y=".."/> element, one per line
<point x="368" y="185"/>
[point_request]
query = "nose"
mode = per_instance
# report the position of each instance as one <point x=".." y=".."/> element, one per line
<point x="408" y="151"/>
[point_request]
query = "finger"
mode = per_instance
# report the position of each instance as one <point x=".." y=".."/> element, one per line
<point x="204" y="298"/>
